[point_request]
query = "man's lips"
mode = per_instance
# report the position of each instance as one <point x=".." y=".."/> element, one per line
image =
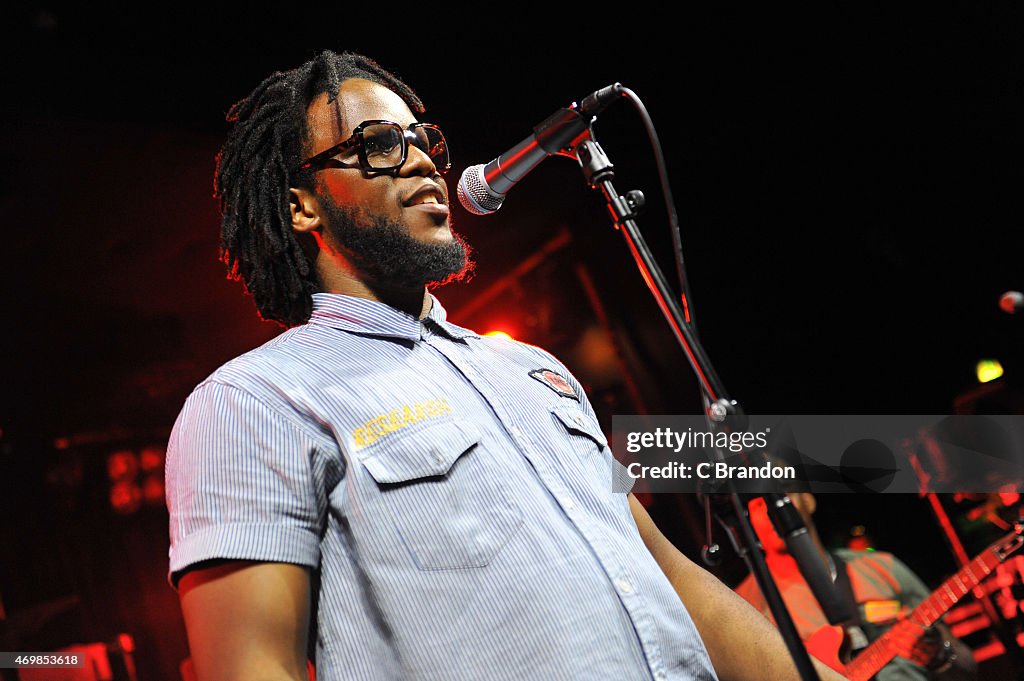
<point x="432" y="208"/>
<point x="428" y="199"/>
<point x="427" y="195"/>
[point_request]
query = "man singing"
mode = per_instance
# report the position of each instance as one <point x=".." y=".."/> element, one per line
<point x="387" y="493"/>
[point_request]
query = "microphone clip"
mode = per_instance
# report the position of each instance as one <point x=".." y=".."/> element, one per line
<point x="596" y="165"/>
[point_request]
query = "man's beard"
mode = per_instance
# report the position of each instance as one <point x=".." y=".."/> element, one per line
<point x="387" y="255"/>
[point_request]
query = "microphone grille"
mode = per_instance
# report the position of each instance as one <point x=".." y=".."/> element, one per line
<point x="474" y="195"/>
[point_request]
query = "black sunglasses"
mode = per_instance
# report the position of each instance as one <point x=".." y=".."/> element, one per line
<point x="384" y="145"/>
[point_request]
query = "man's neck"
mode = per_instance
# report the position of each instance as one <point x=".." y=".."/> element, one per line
<point x="416" y="302"/>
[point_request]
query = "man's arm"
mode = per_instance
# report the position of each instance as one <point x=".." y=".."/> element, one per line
<point x="742" y="643"/>
<point x="247" y="620"/>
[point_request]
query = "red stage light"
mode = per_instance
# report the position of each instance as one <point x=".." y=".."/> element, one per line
<point x="1009" y="495"/>
<point x="122" y="465"/>
<point x="125" y="497"/>
<point x="859" y="544"/>
<point x="152" y="458"/>
<point x="153" y="490"/>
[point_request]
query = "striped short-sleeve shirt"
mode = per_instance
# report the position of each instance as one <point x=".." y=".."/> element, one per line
<point x="452" y="494"/>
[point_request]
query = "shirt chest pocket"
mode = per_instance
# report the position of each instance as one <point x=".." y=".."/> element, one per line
<point x="577" y="422"/>
<point x="443" y="496"/>
<point x="587" y="445"/>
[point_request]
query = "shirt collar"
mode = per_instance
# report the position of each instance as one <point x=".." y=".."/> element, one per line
<point x="370" y="317"/>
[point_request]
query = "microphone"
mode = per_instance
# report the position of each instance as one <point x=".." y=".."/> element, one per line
<point x="482" y="188"/>
<point x="791" y="527"/>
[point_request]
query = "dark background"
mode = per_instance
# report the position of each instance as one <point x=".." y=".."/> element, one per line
<point x="845" y="179"/>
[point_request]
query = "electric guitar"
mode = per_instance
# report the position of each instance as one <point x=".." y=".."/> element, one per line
<point x="827" y="642"/>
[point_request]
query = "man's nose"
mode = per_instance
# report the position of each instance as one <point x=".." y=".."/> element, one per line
<point x="417" y="162"/>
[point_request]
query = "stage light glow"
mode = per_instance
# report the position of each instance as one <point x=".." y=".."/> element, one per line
<point x="153" y="490"/>
<point x="1009" y="496"/>
<point x="152" y="458"/>
<point x="499" y="334"/>
<point x="989" y="370"/>
<point x="122" y="465"/>
<point x="125" y="497"/>
<point x="859" y="544"/>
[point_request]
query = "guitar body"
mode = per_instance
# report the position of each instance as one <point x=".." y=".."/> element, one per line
<point x="830" y="646"/>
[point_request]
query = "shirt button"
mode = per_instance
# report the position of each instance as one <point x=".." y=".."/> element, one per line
<point x="659" y="677"/>
<point x="578" y="419"/>
<point x="568" y="504"/>
<point x="624" y="587"/>
<point x="438" y="457"/>
<point x="515" y="431"/>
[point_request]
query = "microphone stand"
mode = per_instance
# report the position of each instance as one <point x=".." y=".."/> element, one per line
<point x="731" y="513"/>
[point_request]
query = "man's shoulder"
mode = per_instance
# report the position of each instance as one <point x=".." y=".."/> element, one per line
<point x="878" y="563"/>
<point x="518" y="349"/>
<point x="293" y="360"/>
<point x="867" y="557"/>
<point x="261" y="363"/>
<point x="883" y="568"/>
<point x="859" y="553"/>
<point x="270" y="377"/>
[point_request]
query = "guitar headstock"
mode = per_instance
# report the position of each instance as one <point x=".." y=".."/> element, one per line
<point x="1010" y="543"/>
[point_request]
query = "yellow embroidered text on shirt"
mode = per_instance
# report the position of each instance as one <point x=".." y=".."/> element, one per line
<point x="399" y="418"/>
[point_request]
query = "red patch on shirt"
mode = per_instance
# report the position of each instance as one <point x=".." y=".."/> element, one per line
<point x="555" y="382"/>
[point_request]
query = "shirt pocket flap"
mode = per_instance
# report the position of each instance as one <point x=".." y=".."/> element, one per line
<point x="578" y="421"/>
<point x="427" y="452"/>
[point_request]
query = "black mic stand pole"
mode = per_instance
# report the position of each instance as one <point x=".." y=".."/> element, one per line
<point x="599" y="172"/>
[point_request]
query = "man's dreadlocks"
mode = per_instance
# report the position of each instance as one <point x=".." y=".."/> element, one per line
<point x="256" y="167"/>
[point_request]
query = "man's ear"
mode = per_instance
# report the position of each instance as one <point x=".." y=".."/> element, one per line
<point x="305" y="210"/>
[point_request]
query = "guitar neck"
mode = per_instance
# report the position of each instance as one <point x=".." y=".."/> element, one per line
<point x="956" y="587"/>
